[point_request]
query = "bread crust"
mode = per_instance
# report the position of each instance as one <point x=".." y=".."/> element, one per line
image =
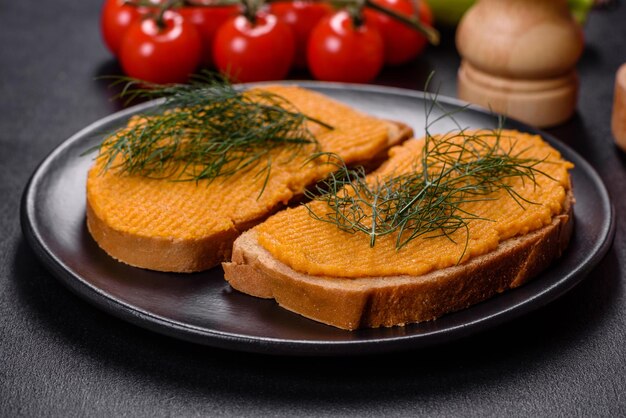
<point x="192" y="255"/>
<point x="372" y="302"/>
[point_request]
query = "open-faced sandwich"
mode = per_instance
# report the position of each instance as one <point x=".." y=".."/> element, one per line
<point x="448" y="221"/>
<point x="172" y="190"/>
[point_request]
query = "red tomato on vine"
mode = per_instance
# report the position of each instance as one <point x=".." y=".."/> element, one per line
<point x="258" y="51"/>
<point x="115" y="18"/>
<point x="161" y="52"/>
<point x="340" y="51"/>
<point x="207" y="21"/>
<point x="402" y="44"/>
<point x="301" y="16"/>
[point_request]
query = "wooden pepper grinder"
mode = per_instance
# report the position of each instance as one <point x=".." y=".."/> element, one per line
<point x="519" y="58"/>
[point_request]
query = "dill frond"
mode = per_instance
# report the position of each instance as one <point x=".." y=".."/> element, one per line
<point x="452" y="170"/>
<point x="429" y="201"/>
<point x="204" y="130"/>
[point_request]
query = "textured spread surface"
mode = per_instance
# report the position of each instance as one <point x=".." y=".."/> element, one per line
<point x="319" y="248"/>
<point x="193" y="210"/>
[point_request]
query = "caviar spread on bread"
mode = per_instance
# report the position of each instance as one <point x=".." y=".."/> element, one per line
<point x="165" y="195"/>
<point x="446" y="222"/>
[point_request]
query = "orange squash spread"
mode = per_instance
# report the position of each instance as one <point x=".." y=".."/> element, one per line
<point x="319" y="248"/>
<point x="191" y="210"/>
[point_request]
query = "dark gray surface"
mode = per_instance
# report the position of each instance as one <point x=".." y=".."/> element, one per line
<point x="60" y="356"/>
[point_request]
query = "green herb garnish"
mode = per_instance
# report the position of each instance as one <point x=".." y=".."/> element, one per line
<point x="453" y="169"/>
<point x="205" y="130"/>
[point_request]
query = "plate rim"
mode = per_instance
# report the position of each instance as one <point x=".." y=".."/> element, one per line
<point x="279" y="346"/>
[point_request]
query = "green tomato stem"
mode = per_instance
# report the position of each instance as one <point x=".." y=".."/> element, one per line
<point x="250" y="9"/>
<point x="355" y="9"/>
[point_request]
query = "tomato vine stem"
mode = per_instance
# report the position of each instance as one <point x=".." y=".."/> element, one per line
<point x="251" y="7"/>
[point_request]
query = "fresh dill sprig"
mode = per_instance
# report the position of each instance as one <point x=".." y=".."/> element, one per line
<point x="204" y="130"/>
<point x="452" y="170"/>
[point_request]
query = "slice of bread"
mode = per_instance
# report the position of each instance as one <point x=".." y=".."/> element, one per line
<point x="371" y="301"/>
<point x="190" y="226"/>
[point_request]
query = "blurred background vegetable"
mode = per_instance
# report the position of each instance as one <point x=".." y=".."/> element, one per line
<point x="450" y="12"/>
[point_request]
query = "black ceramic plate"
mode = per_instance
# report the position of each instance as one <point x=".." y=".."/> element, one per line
<point x="204" y="309"/>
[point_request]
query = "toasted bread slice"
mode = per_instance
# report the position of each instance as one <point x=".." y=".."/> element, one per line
<point x="190" y="226"/>
<point x="363" y="300"/>
<point x="372" y="302"/>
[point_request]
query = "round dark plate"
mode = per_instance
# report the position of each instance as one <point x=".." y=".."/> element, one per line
<point x="204" y="309"/>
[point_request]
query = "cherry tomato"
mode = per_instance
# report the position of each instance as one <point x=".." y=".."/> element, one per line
<point x="115" y="18"/>
<point x="254" y="52"/>
<point x="207" y="20"/>
<point x="301" y="16"/>
<point x="402" y="44"/>
<point x="167" y="54"/>
<point x="339" y="51"/>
